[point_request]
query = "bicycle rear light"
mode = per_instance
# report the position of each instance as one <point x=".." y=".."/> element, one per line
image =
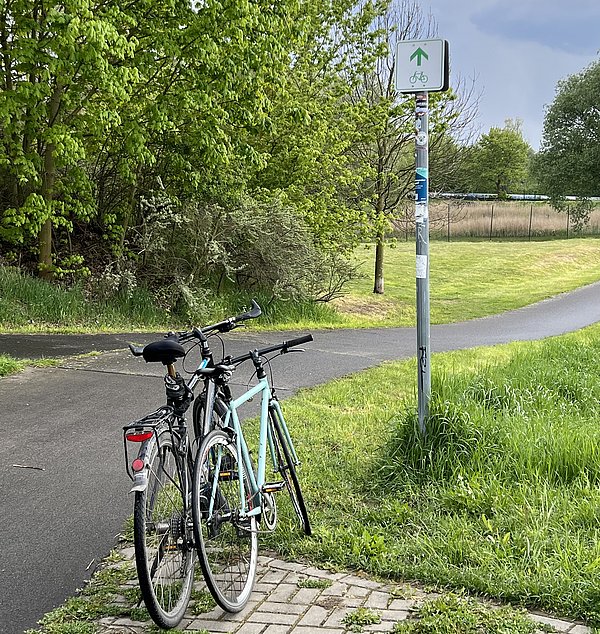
<point x="139" y="436"/>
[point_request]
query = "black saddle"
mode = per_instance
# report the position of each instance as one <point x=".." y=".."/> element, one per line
<point x="165" y="351"/>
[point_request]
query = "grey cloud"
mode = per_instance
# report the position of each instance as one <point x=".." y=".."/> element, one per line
<point x="573" y="27"/>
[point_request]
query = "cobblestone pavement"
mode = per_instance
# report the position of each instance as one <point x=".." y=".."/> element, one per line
<point x="284" y="603"/>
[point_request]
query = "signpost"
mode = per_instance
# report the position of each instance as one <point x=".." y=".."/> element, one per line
<point x="421" y="68"/>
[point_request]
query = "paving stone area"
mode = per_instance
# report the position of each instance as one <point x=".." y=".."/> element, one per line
<point x="283" y="604"/>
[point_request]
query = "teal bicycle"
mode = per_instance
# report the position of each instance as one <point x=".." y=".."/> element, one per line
<point x="232" y="500"/>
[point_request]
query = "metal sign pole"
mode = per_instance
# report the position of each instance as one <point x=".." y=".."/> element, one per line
<point x="422" y="240"/>
<point x="422" y="66"/>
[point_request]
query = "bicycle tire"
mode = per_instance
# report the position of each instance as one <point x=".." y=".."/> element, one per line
<point x="287" y="470"/>
<point x="227" y="546"/>
<point x="164" y="559"/>
<point x="218" y="417"/>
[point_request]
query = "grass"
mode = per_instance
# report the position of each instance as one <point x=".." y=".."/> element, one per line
<point x="355" y="620"/>
<point x="502" y="498"/>
<point x="452" y="614"/>
<point x="9" y="365"/>
<point x="468" y="279"/>
<point x="28" y="304"/>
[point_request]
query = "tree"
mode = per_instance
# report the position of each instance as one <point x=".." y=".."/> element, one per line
<point x="384" y="143"/>
<point x="94" y="92"/>
<point x="500" y="160"/>
<point x="569" y="159"/>
<point x="64" y="78"/>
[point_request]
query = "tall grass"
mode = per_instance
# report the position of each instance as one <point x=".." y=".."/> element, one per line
<point x="27" y="302"/>
<point x="506" y="219"/>
<point x="468" y="279"/>
<point x="502" y="497"/>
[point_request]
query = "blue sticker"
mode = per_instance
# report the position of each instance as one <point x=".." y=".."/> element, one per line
<point x="421" y="188"/>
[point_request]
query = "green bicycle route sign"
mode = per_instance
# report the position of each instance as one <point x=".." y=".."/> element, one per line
<point x="422" y="66"/>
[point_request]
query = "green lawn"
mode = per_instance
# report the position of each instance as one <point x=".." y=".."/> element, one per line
<point x="502" y="498"/>
<point x="470" y="279"/>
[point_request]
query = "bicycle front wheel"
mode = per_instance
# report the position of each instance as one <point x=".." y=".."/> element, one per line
<point x="286" y="468"/>
<point x="227" y="542"/>
<point x="163" y="555"/>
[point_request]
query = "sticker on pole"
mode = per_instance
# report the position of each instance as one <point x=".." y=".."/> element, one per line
<point x="422" y="66"/>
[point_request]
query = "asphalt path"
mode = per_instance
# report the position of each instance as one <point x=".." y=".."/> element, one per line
<point x="63" y="489"/>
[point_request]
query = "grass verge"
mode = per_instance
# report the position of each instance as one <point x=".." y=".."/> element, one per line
<point x="468" y="279"/>
<point x="502" y="497"/>
<point x="9" y="365"/>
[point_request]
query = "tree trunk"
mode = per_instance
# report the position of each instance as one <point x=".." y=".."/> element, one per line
<point x="378" y="286"/>
<point x="45" y="267"/>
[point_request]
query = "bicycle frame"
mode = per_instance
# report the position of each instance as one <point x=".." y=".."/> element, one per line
<point x="256" y="480"/>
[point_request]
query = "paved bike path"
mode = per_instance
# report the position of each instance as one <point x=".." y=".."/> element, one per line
<point x="64" y="493"/>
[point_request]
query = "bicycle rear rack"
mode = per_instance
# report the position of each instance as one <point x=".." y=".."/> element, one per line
<point x="141" y="430"/>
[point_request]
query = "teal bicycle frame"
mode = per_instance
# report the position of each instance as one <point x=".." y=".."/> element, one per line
<point x="269" y="404"/>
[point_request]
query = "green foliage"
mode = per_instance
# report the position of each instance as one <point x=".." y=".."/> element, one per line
<point x="26" y="301"/>
<point x="202" y="601"/>
<point x="314" y="583"/>
<point x="452" y="614"/>
<point x="8" y="365"/>
<point x="569" y="158"/>
<point x="499" y="162"/>
<point x="356" y="619"/>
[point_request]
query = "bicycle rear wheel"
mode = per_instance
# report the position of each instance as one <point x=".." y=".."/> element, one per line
<point x="286" y="467"/>
<point x="163" y="556"/>
<point x="227" y="543"/>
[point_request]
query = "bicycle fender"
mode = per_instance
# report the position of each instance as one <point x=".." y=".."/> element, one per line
<point x="140" y="481"/>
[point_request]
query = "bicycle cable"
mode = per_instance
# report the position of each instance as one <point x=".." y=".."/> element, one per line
<point x="185" y="357"/>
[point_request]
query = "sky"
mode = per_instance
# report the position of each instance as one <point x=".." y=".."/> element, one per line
<point x="516" y="51"/>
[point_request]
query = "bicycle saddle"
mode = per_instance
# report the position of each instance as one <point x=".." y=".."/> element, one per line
<point x="165" y="351"/>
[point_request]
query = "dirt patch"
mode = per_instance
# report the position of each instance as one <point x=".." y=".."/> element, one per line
<point x="375" y="307"/>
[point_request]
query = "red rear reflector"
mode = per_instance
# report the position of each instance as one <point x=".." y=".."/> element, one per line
<point x="139" y="436"/>
<point x="137" y="464"/>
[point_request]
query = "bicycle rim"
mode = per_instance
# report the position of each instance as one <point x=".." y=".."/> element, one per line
<point x="164" y="560"/>
<point x="227" y="544"/>
<point x="287" y="471"/>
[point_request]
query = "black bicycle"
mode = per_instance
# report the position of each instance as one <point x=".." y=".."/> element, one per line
<point x="165" y="449"/>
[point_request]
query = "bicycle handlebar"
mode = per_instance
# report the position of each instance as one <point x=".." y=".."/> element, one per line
<point x="284" y="347"/>
<point x="222" y="326"/>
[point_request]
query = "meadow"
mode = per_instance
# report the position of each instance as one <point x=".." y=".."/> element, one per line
<point x="501" y="498"/>
<point x="468" y="279"/>
<point x="485" y="220"/>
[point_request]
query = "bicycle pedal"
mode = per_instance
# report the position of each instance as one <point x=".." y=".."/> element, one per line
<point x="228" y="475"/>
<point x="273" y="487"/>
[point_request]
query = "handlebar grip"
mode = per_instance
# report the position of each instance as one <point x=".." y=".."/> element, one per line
<point x="299" y="341"/>
<point x="254" y="312"/>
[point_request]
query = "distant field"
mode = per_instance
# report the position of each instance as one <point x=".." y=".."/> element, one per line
<point x="469" y="279"/>
<point x="510" y="219"/>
